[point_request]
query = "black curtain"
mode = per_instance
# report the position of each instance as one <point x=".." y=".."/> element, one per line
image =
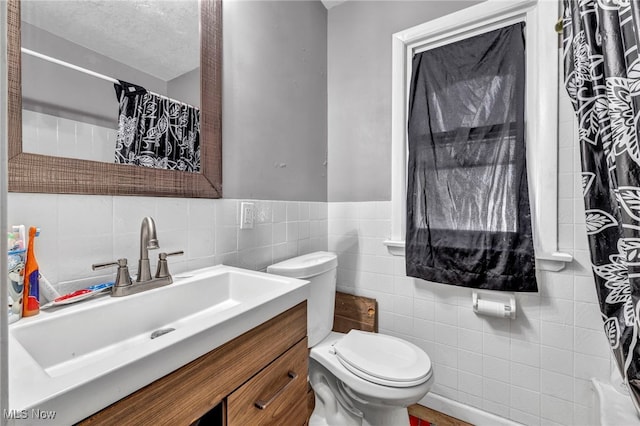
<point x="468" y="216"/>
<point x="155" y="131"/>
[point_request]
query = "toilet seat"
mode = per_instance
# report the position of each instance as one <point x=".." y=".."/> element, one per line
<point x="382" y="359"/>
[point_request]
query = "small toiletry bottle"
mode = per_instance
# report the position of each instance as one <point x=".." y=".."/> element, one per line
<point x="15" y="267"/>
<point x="31" y="305"/>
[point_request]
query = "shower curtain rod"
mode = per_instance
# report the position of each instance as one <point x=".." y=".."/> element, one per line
<point x="89" y="72"/>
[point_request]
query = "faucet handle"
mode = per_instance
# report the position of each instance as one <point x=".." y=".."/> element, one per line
<point x="163" y="266"/>
<point x="119" y="262"/>
<point x="163" y="256"/>
<point x="123" y="278"/>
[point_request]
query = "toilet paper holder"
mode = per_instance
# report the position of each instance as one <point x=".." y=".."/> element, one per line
<point x="494" y="304"/>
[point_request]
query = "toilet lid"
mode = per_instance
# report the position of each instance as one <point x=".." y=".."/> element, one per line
<point x="382" y="359"/>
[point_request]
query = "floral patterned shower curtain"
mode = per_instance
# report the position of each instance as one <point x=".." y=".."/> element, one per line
<point x="602" y="76"/>
<point x="155" y="131"/>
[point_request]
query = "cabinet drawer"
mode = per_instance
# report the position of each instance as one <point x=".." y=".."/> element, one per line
<point x="276" y="395"/>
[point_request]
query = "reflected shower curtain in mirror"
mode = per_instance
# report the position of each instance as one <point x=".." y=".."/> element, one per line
<point x="602" y="77"/>
<point x="468" y="216"/>
<point x="155" y="131"/>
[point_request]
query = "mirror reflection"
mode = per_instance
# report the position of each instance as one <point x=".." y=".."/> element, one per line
<point x="112" y="81"/>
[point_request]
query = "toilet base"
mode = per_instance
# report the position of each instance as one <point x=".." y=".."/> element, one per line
<point x="337" y="405"/>
<point x="376" y="416"/>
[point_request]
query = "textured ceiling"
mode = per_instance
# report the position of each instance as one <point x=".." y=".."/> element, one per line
<point x="159" y="37"/>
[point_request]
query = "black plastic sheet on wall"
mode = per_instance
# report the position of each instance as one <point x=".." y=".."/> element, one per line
<point x="468" y="216"/>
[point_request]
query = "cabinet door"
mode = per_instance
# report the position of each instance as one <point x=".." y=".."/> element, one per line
<point x="276" y="395"/>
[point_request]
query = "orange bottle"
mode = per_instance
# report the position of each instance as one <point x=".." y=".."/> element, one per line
<point x="31" y="298"/>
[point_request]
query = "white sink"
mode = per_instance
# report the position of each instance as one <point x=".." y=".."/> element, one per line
<point x="79" y="359"/>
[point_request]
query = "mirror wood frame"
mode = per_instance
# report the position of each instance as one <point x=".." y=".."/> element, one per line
<point x="47" y="174"/>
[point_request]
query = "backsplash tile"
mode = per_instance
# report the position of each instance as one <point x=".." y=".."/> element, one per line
<point x="78" y="231"/>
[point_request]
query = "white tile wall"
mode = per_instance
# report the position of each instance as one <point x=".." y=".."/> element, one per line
<point x="535" y="369"/>
<point x="77" y="231"/>
<point x="49" y="135"/>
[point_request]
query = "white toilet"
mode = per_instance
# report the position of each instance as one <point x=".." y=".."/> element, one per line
<point x="359" y="378"/>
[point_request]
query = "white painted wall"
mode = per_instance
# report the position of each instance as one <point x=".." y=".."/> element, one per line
<point x="359" y="91"/>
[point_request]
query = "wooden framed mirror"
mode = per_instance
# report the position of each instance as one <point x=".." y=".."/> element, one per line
<point x="39" y="173"/>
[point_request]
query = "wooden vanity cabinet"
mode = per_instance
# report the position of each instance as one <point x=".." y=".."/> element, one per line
<point x="258" y="378"/>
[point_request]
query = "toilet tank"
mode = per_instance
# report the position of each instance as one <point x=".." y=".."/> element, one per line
<point x="320" y="269"/>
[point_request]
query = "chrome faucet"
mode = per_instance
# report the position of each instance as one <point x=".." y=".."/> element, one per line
<point x="148" y="241"/>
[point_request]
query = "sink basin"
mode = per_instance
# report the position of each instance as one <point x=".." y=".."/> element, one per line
<point x="81" y="358"/>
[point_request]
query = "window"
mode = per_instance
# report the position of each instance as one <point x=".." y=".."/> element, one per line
<point x="540" y="108"/>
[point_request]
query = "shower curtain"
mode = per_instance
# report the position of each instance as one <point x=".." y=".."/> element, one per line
<point x="602" y="77"/>
<point x="155" y="131"/>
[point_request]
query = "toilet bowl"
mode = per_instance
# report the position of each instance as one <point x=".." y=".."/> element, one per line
<point x="359" y="378"/>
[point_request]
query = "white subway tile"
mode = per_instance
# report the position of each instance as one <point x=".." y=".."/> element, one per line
<point x="496" y="391"/>
<point x="447" y="335"/>
<point x="128" y="213"/>
<point x="587" y="315"/>
<point x="525" y="376"/>
<point x="292" y="231"/>
<point x="556" y="410"/>
<point x="424" y="329"/>
<point x="468" y="399"/>
<point x="404" y="287"/>
<point x="501" y="410"/>
<point x="446" y="314"/>
<point x="497" y="346"/>
<point x="524" y="418"/>
<point x="201" y="243"/>
<point x="292" y="211"/>
<point x="171" y="215"/>
<point x="524" y="352"/>
<point x="470" y="340"/>
<point x="468" y="320"/>
<point x="496" y="368"/>
<point x="556" y="360"/>
<point x="403" y="305"/>
<point x="525" y="400"/>
<point x="279" y="211"/>
<point x="557" y="385"/>
<point x="470" y="383"/>
<point x="343" y="227"/>
<point x="587" y="367"/>
<point x="226" y="239"/>
<point x="591" y="342"/>
<point x="447" y="376"/>
<point x="303" y="230"/>
<point x="264" y="234"/>
<point x="445" y="355"/>
<point x="375" y="228"/>
<point x="470" y="362"/>
<point x="585" y="289"/>
<point x="191" y="264"/>
<point x="84" y="142"/>
<point x="559" y="311"/>
<point x="423" y="309"/>
<point x="556" y="335"/>
<point x="402" y="324"/>
<point x="304" y="211"/>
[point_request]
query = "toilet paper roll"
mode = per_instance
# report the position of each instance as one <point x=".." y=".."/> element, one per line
<point x="493" y="309"/>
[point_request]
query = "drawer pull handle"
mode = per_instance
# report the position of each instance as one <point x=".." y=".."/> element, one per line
<point x="262" y="404"/>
